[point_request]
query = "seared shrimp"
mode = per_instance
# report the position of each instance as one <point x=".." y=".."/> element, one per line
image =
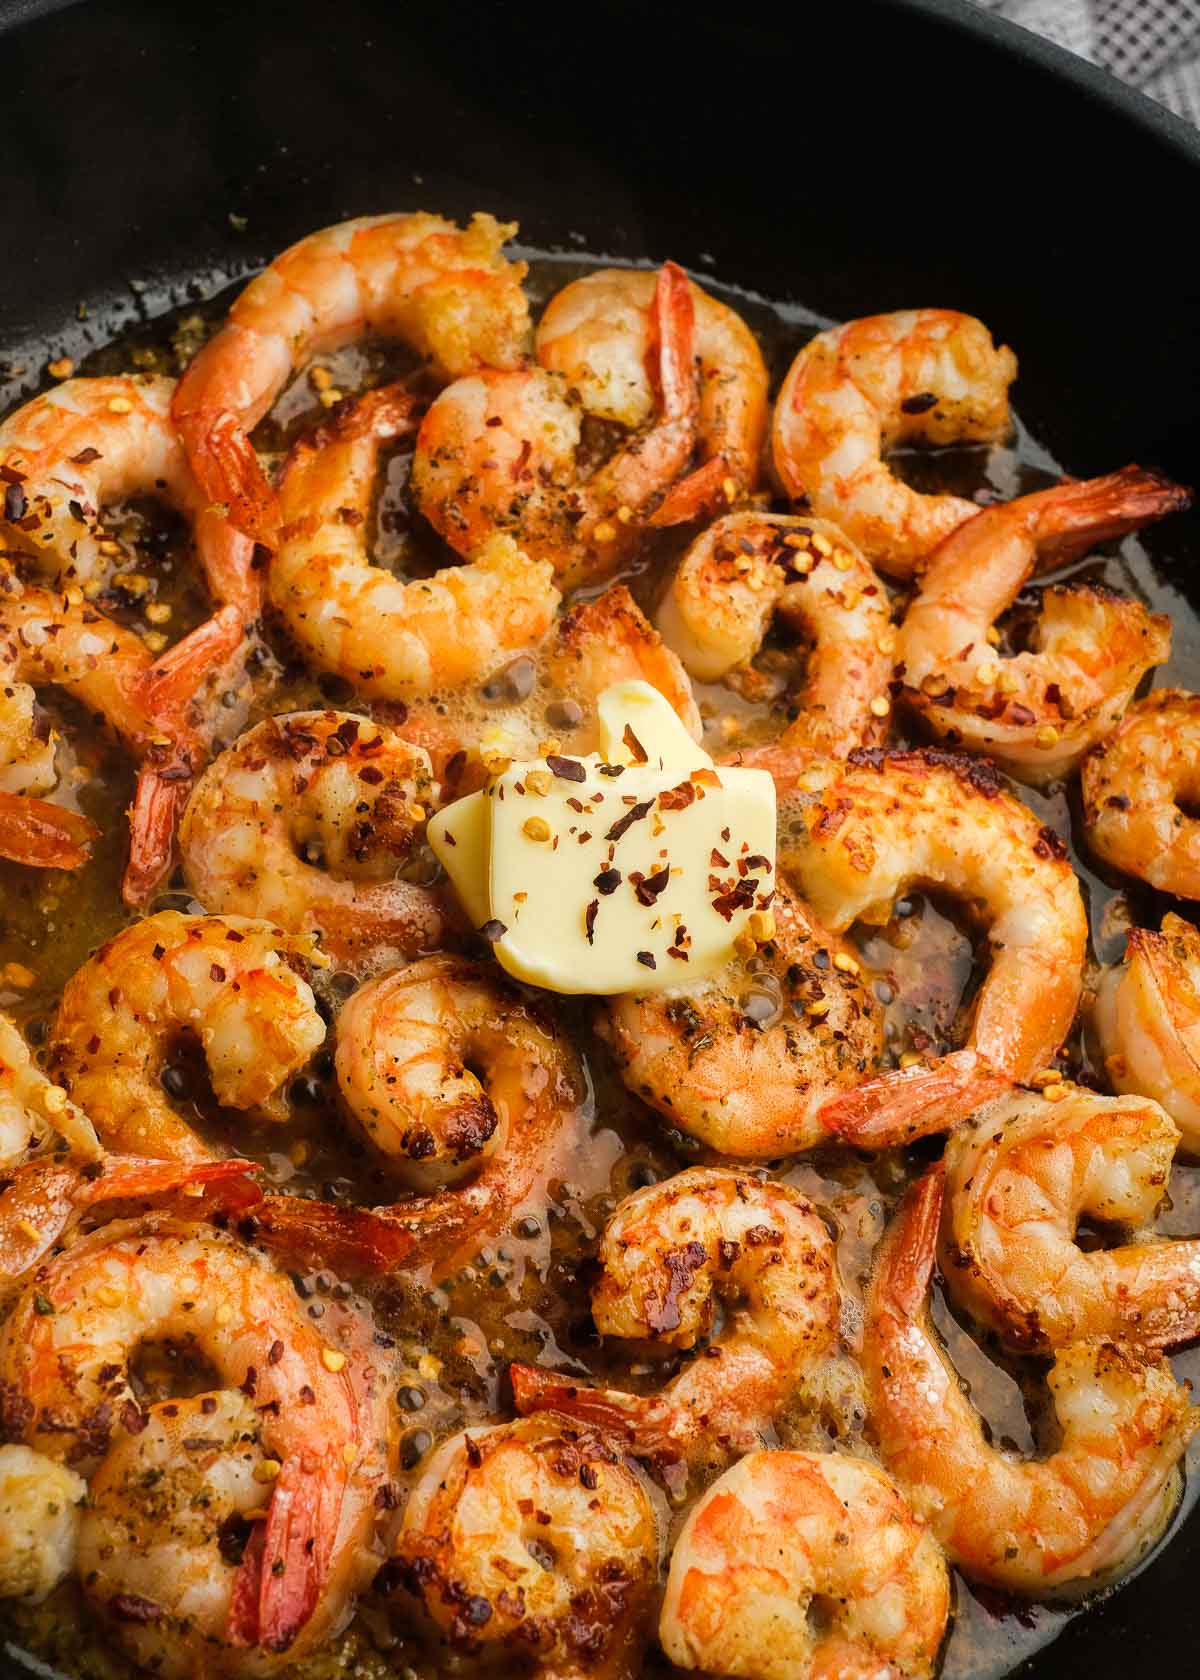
<point x="224" y="979"/>
<point x="598" y="332"/>
<point x="384" y="635"/>
<point x="1019" y="1176"/>
<point x="535" y="1536"/>
<point x="314" y="1440"/>
<point x="496" y="453"/>
<point x="446" y="291"/>
<point x="448" y="1068"/>
<point x="31" y="1107"/>
<point x="928" y="376"/>
<point x="39" y="1522"/>
<point x="1036" y="712"/>
<point x="887" y="822"/>
<point x="1135" y="785"/>
<point x="670" y="1254"/>
<point x="746" y="1061"/>
<point x="1147" y="1018"/>
<point x="308" y="821"/>
<point x="750" y="567"/>
<point x="783" y="1532"/>
<point x="1074" y="1520"/>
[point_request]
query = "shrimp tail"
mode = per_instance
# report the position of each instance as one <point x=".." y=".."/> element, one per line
<point x="301" y="1524"/>
<point x="1080" y="513"/>
<point x="153" y="818"/>
<point x="42" y="835"/>
<point x="896" y="1107"/>
<point x="356" y="1242"/>
<point x="648" y="1427"/>
<point x="130" y="1177"/>
<point x="171" y="682"/>
<point x="701" y="494"/>
<point x="223" y="459"/>
<point x="669" y="358"/>
<point x="906" y="1266"/>
<point x="242" y="1625"/>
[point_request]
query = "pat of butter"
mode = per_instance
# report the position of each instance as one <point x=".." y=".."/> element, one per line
<point x="630" y="870"/>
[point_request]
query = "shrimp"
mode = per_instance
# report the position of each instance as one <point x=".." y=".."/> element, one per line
<point x="1019" y="1176"/>
<point x="39" y="1523"/>
<point x="1075" y="1520"/>
<point x="308" y="820"/>
<point x="384" y="635"/>
<point x="533" y="1536"/>
<point x="1147" y="1018"/>
<point x="749" y="567"/>
<point x="1037" y="712"/>
<point x="869" y="831"/>
<point x="783" y="1533"/>
<point x="497" y="453"/>
<point x="445" y="291"/>
<point x="31" y="1106"/>
<point x="1136" y="786"/>
<point x="746" y="1061"/>
<point x="224" y="979"/>
<point x="450" y="1070"/>
<point x="315" y="1435"/>
<point x="671" y="1253"/>
<point x="928" y="376"/>
<point x="597" y="333"/>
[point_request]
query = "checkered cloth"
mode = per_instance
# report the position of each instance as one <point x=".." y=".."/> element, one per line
<point x="1152" y="44"/>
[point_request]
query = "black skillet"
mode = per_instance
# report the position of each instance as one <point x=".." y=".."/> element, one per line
<point x="860" y="156"/>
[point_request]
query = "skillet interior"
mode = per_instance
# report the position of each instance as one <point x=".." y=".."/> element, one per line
<point x="870" y="157"/>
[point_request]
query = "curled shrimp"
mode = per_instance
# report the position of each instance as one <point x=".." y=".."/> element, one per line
<point x="782" y="1533"/>
<point x="39" y="1522"/>
<point x="1039" y="711"/>
<point x="928" y="376"/>
<point x="450" y="1071"/>
<point x="307" y="1404"/>
<point x="497" y="451"/>
<point x="535" y="1536"/>
<point x="598" y="333"/>
<point x="1020" y="1175"/>
<point x="446" y="291"/>
<point x="1135" y="787"/>
<point x="746" y="1061"/>
<point x="1147" y="1018"/>
<point x="750" y="567"/>
<point x="308" y="820"/>
<point x="223" y="979"/>
<point x="671" y="1253"/>
<point x="31" y="1107"/>
<point x="1074" y="1520"/>
<point x="883" y="823"/>
<point x="385" y="635"/>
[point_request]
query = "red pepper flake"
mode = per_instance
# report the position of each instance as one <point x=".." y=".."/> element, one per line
<point x="919" y="404"/>
<point x="610" y="769"/>
<point x="607" y="881"/>
<point x="216" y="974"/>
<point x="14" y="502"/>
<point x="640" y="755"/>
<point x="449" y="838"/>
<point x="639" y="811"/>
<point x="370" y="773"/>
<point x="716" y="860"/>
<point x="646" y="958"/>
<point x="648" y="890"/>
<point x="756" y="861"/>
<point x="158" y="952"/>
<point x="492" y="931"/>
<point x="1019" y="714"/>
<point x="589" y="919"/>
<point x="575" y="804"/>
<point x="585" y="837"/>
<point x="275" y="1354"/>
<point x="518" y="466"/>
<point x="740" y="897"/>
<point x="85" y="457"/>
<point x="234" y="937"/>
<point x="569" y="769"/>
<point x="725" y="834"/>
<point x="677" y="798"/>
<point x="680" y="956"/>
<point x="455" y="765"/>
<point x="705" y="778"/>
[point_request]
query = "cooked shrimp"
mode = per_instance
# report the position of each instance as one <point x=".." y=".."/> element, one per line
<point x="1019" y="1176"/>
<point x="39" y="1522"/>
<point x="782" y="1533"/>
<point x="482" y="1078"/>
<point x="887" y="822"/>
<point x="534" y="1536"/>
<point x="446" y="291"/>
<point x="31" y="1107"/>
<point x="384" y="635"/>
<point x="598" y="333"/>
<point x="318" y="1439"/>
<point x="750" y="567"/>
<point x="1147" y="1018"/>
<point x="223" y="979"/>
<point x="670" y="1254"/>
<point x="747" y="1060"/>
<point x="1036" y="712"/>
<point x="1076" y="1519"/>
<point x="928" y="376"/>
<point x="308" y="821"/>
<point x="1135" y="787"/>
<point x="497" y="453"/>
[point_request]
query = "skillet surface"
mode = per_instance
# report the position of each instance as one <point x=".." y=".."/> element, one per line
<point x="879" y="156"/>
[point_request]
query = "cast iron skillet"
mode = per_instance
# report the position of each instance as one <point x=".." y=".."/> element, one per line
<point x="860" y="156"/>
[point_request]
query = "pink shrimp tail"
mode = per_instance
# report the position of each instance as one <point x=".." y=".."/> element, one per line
<point x="302" y="1524"/>
<point x="353" y="1241"/>
<point x="131" y="1177"/>
<point x="698" y="496"/>
<point x="1079" y="513"/>
<point x="157" y="806"/>
<point x="242" y="1626"/>
<point x="669" y="358"/>
<point x="896" y="1107"/>
<point x="226" y="467"/>
<point x="42" y="835"/>
<point x="910" y="1247"/>
<point x="166" y="689"/>
<point x="644" y="1423"/>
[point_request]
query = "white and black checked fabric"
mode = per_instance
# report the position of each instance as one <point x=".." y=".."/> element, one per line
<point x="1152" y="44"/>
